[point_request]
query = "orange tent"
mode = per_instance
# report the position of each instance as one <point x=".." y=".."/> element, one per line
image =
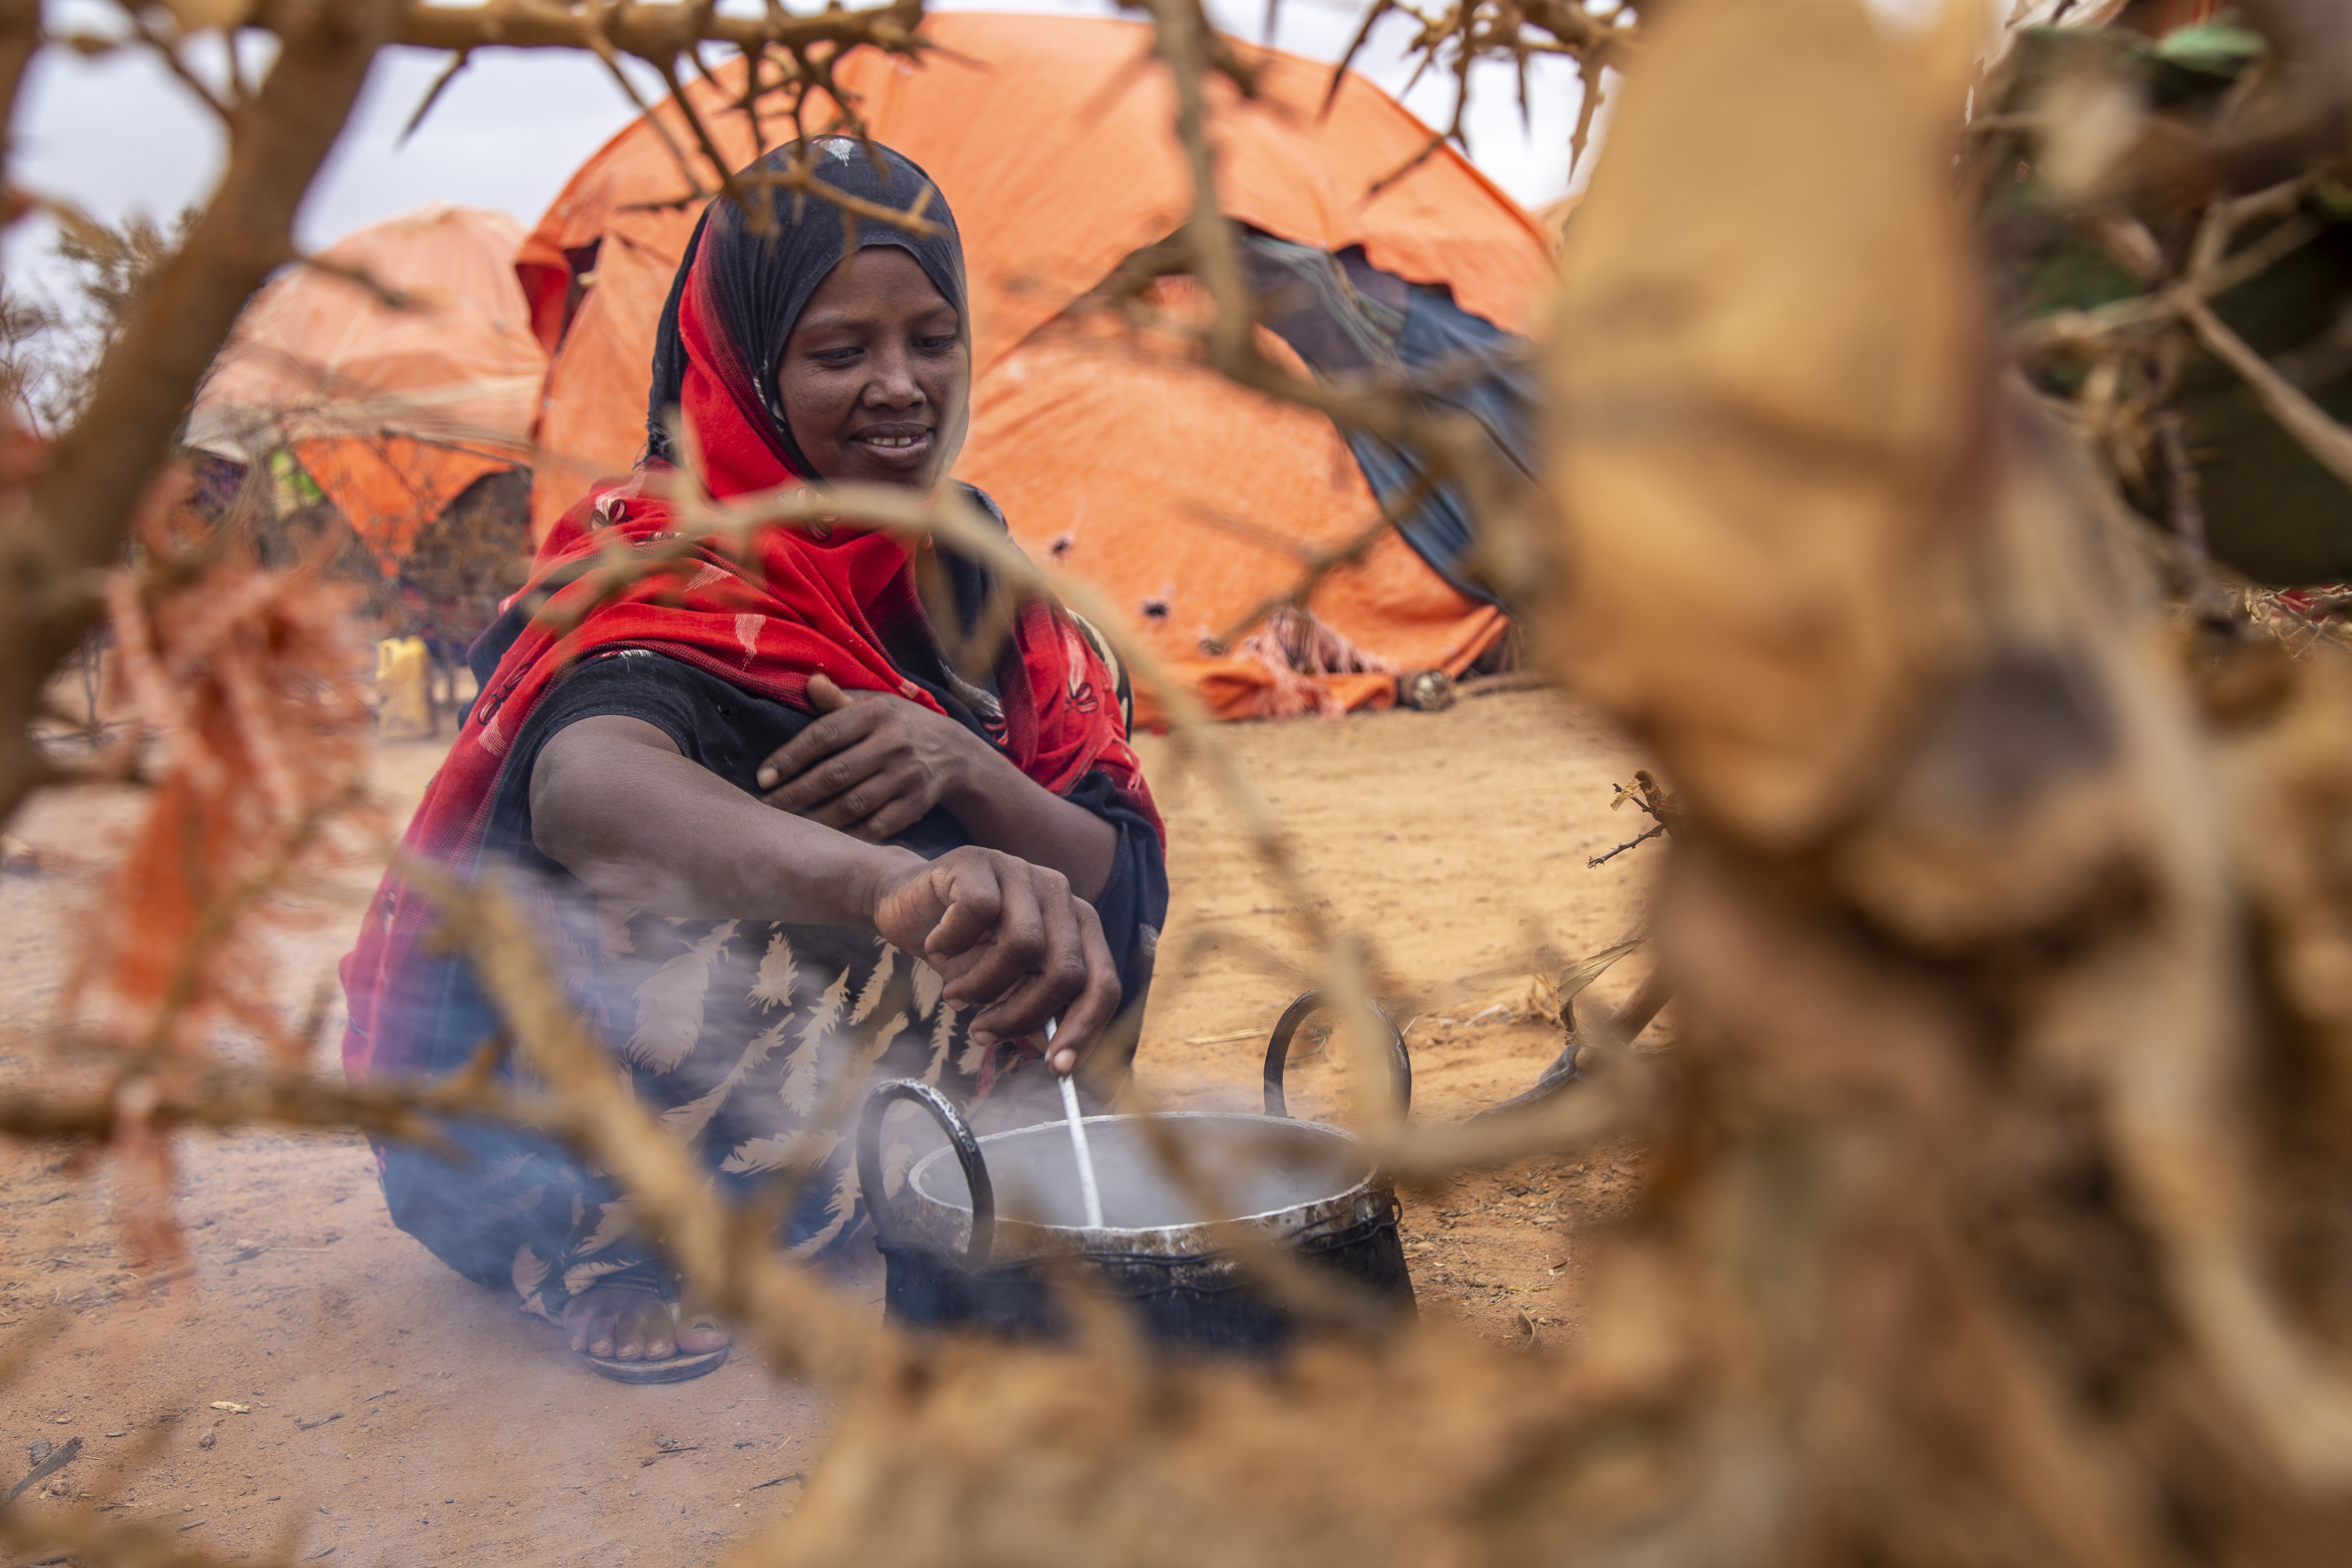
<point x="1188" y="499"/>
<point x="393" y="410"/>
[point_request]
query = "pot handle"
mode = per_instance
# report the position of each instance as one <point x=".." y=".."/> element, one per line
<point x="1277" y="1051"/>
<point x="960" y="1137"/>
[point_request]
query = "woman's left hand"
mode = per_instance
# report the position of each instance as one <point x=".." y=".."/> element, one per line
<point x="872" y="765"/>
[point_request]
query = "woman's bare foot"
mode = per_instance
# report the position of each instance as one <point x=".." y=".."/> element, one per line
<point x="622" y="1324"/>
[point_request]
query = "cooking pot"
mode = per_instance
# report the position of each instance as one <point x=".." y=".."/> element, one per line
<point x="973" y="1232"/>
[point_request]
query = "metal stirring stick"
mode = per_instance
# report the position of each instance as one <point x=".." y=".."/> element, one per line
<point x="1088" y="1190"/>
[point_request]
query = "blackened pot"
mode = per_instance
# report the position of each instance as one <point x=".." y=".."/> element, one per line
<point x="956" y="1257"/>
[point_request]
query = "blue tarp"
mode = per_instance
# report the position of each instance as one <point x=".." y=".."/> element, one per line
<point x="1345" y="318"/>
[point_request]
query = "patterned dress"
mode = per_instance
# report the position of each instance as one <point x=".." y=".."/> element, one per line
<point x="742" y="1036"/>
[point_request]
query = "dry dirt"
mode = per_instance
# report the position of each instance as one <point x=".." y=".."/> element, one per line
<point x="400" y="1417"/>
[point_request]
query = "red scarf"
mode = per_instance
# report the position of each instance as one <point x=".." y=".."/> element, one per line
<point x="802" y="605"/>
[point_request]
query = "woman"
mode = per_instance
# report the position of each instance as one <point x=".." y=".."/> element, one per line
<point x="784" y="837"/>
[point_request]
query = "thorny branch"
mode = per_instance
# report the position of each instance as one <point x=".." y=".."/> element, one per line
<point x="1821" y="1060"/>
<point x="653" y="32"/>
<point x="1452" y="446"/>
<point x="2288" y="403"/>
<point x="1515" y="31"/>
<point x="222" y="1101"/>
<point x="78" y="509"/>
<point x="1638" y="839"/>
<point x="1655" y="802"/>
<point x="2148" y="326"/>
<point x="77" y="513"/>
<point x="163" y="51"/>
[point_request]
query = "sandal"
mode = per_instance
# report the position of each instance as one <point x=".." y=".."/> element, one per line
<point x="682" y="1367"/>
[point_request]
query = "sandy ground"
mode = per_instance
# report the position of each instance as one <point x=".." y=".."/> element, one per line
<point x="396" y="1415"/>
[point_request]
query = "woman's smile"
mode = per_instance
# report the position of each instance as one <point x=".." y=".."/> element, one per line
<point x="875" y="371"/>
<point x="901" y="447"/>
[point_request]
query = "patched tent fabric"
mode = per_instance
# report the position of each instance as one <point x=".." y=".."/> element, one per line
<point x="1190" y="502"/>
<point x="1347" y="317"/>
<point x="393" y="408"/>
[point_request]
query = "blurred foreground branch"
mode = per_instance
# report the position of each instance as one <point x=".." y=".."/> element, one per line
<point x="84" y="1537"/>
<point x="2001" y="1155"/>
<point x="222" y="1100"/>
<point x="730" y="1259"/>
<point x="75" y="514"/>
<point x="67" y="513"/>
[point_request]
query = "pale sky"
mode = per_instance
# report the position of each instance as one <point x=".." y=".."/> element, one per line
<point x="118" y="134"/>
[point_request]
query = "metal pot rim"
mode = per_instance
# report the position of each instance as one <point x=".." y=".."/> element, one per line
<point x="949" y="1224"/>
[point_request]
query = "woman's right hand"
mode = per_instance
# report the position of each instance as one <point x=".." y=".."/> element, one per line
<point x="614" y="803"/>
<point x="1010" y="937"/>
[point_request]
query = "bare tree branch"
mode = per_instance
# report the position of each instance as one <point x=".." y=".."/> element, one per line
<point x="2288" y="403"/>
<point x="20" y="35"/>
<point x="801" y="1324"/>
<point x="650" y="32"/>
<point x="82" y="503"/>
<point x="225" y="1102"/>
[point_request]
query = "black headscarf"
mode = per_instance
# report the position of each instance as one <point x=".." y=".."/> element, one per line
<point x="760" y="284"/>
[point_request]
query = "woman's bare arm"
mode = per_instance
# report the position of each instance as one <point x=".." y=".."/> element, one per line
<point x="615" y="803"/>
<point x="872" y="764"/>
<point x="1005" y="809"/>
